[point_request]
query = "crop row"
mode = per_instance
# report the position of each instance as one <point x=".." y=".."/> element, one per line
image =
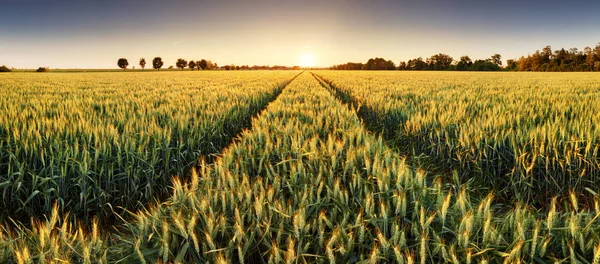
<point x="529" y="136"/>
<point x="97" y="142"/>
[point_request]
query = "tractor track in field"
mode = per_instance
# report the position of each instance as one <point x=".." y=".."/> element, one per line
<point x="364" y="112"/>
<point x="420" y="160"/>
<point x="212" y="158"/>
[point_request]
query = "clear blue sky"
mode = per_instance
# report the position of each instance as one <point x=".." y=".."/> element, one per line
<point x="94" y="34"/>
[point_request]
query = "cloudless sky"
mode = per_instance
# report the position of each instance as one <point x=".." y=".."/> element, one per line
<point x="95" y="34"/>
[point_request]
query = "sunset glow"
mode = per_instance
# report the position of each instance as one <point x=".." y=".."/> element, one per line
<point x="84" y="34"/>
<point x="306" y="60"/>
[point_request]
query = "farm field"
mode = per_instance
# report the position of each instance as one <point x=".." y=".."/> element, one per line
<point x="325" y="173"/>
<point x="99" y="141"/>
<point x="529" y="135"/>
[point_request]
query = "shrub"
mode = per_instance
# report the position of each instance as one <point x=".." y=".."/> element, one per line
<point x="42" y="69"/>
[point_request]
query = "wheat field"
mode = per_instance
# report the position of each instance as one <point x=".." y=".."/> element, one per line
<point x="300" y="167"/>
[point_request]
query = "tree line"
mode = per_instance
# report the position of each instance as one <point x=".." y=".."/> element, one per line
<point x="437" y="62"/>
<point x="545" y="60"/>
<point x="157" y="63"/>
<point x="561" y="60"/>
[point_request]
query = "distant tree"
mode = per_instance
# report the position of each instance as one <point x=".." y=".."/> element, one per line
<point x="143" y="63"/>
<point x="181" y="63"/>
<point x="511" y="65"/>
<point x="597" y="57"/>
<point x="561" y="60"/>
<point x="416" y="64"/>
<point x="351" y="66"/>
<point x="464" y="63"/>
<point x="589" y="56"/>
<point x="198" y="65"/>
<point x="485" y="65"/>
<point x="402" y="66"/>
<point x="157" y="63"/>
<point x="3" y="68"/>
<point x="192" y="64"/>
<point x="123" y="63"/>
<point x="440" y="62"/>
<point x="379" y="64"/>
<point x="203" y="64"/>
<point x="171" y="67"/>
<point x="227" y="67"/>
<point x="545" y="60"/>
<point x="43" y="69"/>
<point x="547" y="54"/>
<point x="390" y="65"/>
<point x="524" y="64"/>
<point x="497" y="59"/>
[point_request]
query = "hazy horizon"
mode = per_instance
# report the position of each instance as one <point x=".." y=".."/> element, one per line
<point x="64" y="34"/>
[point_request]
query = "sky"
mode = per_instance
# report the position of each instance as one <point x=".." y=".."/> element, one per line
<point x="95" y="34"/>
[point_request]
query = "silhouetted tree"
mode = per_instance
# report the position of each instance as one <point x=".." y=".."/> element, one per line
<point x="123" y="63"/>
<point x="546" y="54"/>
<point x="143" y="63"/>
<point x="192" y="64"/>
<point x="203" y="64"/>
<point x="181" y="63"/>
<point x="157" y="63"/>
<point x="485" y="65"/>
<point x="390" y="65"/>
<point x="416" y="64"/>
<point x="402" y="66"/>
<point x="379" y="64"/>
<point x="198" y="65"/>
<point x="497" y="59"/>
<point x="440" y="62"/>
<point x="348" y="66"/>
<point x="511" y="65"/>
<point x="3" y="68"/>
<point x="464" y="64"/>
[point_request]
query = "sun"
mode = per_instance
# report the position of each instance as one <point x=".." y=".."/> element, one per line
<point x="306" y="60"/>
